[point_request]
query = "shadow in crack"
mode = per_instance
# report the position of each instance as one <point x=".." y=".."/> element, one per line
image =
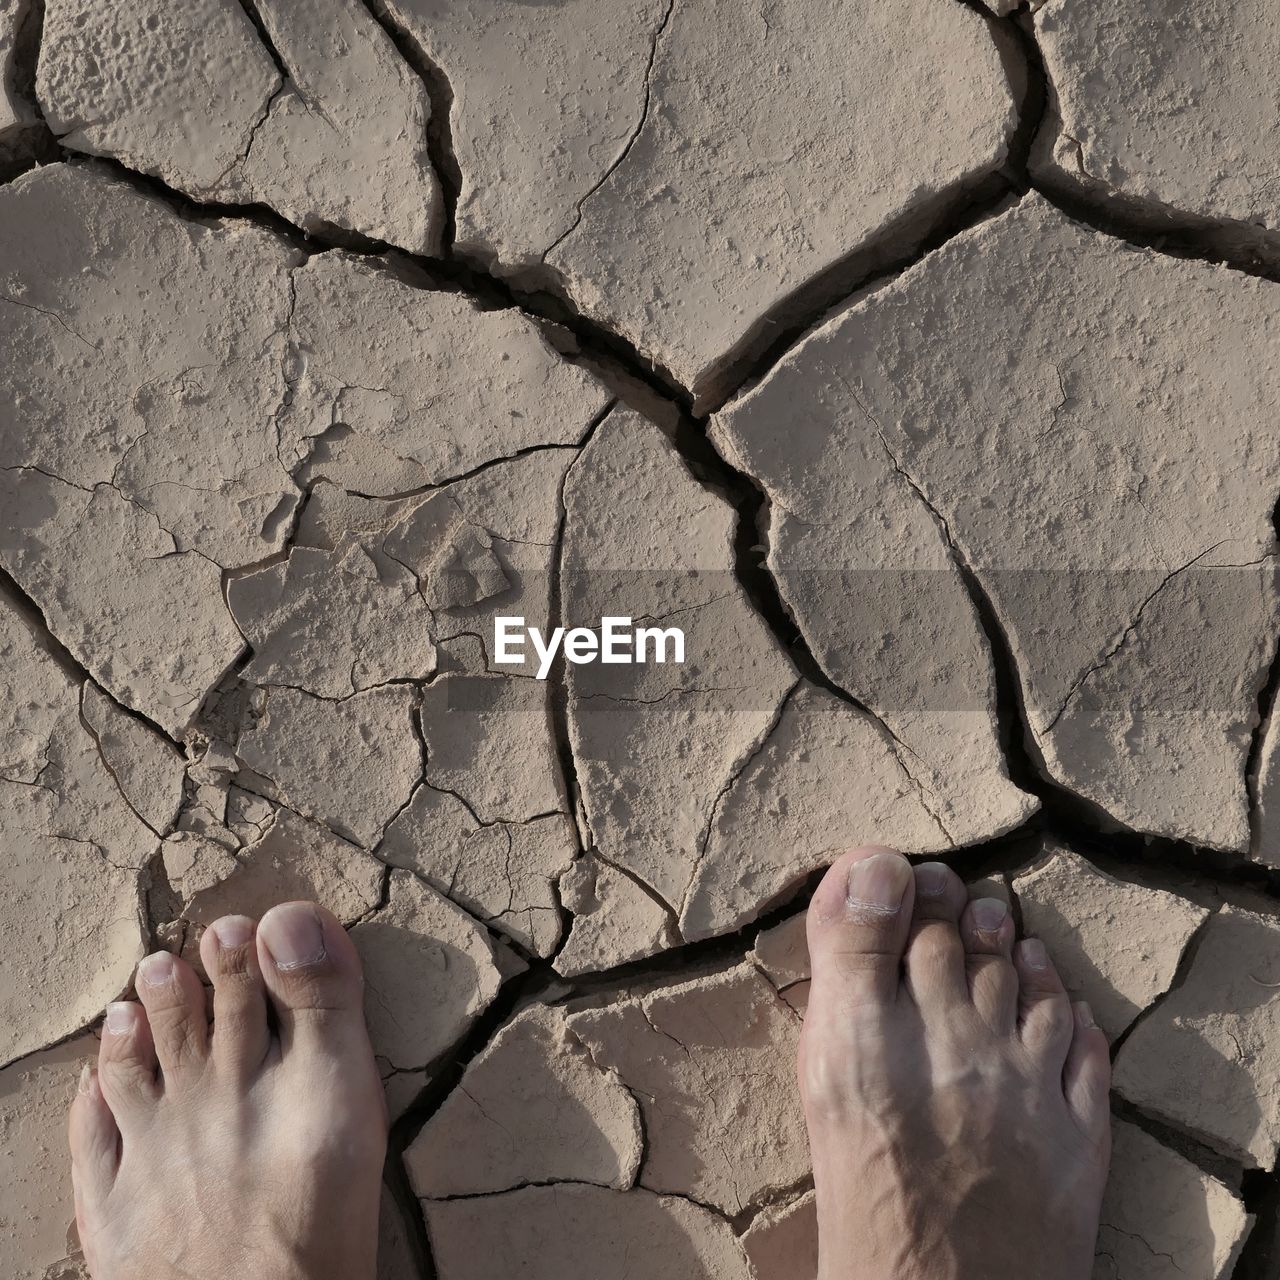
<point x="1161" y="1216"/>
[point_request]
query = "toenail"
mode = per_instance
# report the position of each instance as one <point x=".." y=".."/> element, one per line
<point x="988" y="914"/>
<point x="86" y="1079"/>
<point x="932" y="879"/>
<point x="157" y="970"/>
<point x="293" y="936"/>
<point x="1034" y="956"/>
<point x="121" y="1018"/>
<point x="876" y="886"/>
<point x="1083" y="1015"/>
<point x="233" y="931"/>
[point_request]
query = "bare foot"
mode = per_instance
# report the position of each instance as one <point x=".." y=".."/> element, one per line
<point x="957" y="1105"/>
<point x="249" y="1147"/>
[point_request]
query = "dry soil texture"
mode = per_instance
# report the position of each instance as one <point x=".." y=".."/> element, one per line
<point x="919" y="365"/>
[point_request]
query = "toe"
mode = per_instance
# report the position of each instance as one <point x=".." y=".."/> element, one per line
<point x="986" y="930"/>
<point x="95" y="1144"/>
<point x="940" y="893"/>
<point x="177" y="1012"/>
<point x="935" y="956"/>
<point x="858" y="924"/>
<point x="313" y="978"/>
<point x="1086" y="1078"/>
<point x="241" y="1037"/>
<point x="127" y="1062"/>
<point x="94" y="1139"/>
<point x="1044" y="1012"/>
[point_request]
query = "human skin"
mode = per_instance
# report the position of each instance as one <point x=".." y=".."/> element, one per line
<point x="251" y="1145"/>
<point x="957" y="1103"/>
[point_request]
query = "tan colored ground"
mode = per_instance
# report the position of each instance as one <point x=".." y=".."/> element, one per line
<point x="921" y="365"/>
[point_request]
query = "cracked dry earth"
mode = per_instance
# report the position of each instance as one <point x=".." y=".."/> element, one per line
<point x="920" y="359"/>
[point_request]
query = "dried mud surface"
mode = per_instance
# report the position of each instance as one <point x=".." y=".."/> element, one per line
<point x="919" y="363"/>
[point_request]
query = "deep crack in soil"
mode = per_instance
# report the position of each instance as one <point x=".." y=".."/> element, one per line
<point x="1062" y="814"/>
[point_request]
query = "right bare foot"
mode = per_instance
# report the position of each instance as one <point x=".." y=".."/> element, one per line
<point x="246" y="1149"/>
<point x="958" y="1112"/>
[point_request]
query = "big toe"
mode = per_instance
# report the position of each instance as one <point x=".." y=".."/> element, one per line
<point x="858" y="926"/>
<point x="313" y="978"/>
